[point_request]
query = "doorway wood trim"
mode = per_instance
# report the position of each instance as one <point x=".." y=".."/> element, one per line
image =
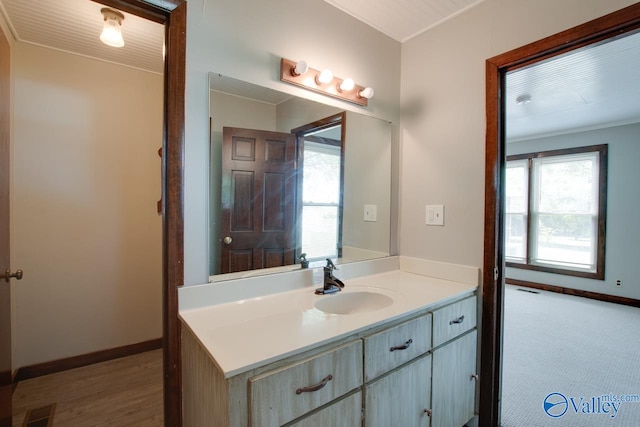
<point x="612" y="25"/>
<point x="173" y="14"/>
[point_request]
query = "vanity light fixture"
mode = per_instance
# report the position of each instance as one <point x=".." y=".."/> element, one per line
<point x="112" y="29"/>
<point x="323" y="81"/>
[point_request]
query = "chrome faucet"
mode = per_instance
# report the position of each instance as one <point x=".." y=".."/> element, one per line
<point x="330" y="283"/>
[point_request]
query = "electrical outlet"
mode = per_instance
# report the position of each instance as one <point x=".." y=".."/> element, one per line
<point x="371" y="213"/>
<point x="619" y="283"/>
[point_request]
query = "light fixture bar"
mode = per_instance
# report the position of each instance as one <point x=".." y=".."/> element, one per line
<point x="309" y="80"/>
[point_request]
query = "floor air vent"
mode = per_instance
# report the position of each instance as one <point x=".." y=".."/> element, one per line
<point x="40" y="417"/>
<point x="527" y="290"/>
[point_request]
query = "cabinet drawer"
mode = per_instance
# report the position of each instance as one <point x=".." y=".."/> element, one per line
<point x="344" y="413"/>
<point x="280" y="396"/>
<point x="453" y="320"/>
<point x="395" y="346"/>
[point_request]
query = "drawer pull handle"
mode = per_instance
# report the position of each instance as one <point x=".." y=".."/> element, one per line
<point x="402" y="347"/>
<point x="456" y="321"/>
<point x="315" y="387"/>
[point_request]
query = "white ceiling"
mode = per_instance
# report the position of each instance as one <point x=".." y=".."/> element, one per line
<point x="403" y="19"/>
<point x="594" y="87"/>
<point x="75" y="26"/>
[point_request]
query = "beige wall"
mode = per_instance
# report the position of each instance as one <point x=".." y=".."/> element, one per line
<point x="368" y="182"/>
<point x="86" y="178"/>
<point x="246" y="39"/>
<point x="443" y="116"/>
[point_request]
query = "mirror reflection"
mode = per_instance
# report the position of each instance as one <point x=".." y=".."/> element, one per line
<point x="293" y="179"/>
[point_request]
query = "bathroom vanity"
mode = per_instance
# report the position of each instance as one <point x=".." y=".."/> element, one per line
<point x="397" y="347"/>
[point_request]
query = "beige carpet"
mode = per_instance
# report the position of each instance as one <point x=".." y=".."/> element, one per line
<point x="573" y="346"/>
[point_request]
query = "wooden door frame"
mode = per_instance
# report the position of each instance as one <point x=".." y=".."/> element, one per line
<point x="612" y="25"/>
<point x="173" y="15"/>
<point x="299" y="132"/>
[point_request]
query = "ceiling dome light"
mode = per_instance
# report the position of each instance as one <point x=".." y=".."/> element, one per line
<point x="523" y="99"/>
<point x="367" y="92"/>
<point x="112" y="29"/>
<point x="324" y="77"/>
<point x="346" y="85"/>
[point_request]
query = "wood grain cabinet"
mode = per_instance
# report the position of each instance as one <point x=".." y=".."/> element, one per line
<point x="402" y="398"/>
<point x="415" y="373"/>
<point x="343" y="413"/>
<point x="454" y="377"/>
<point x="280" y="396"/>
<point x="453" y="382"/>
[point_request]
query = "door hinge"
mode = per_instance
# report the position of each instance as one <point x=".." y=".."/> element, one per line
<point x="496" y="273"/>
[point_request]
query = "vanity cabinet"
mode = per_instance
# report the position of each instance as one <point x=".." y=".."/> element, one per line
<point x="413" y="371"/>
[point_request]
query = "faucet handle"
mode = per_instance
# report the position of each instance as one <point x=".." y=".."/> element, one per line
<point x="331" y="265"/>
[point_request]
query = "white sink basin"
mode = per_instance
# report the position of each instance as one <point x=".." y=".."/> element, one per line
<point x="353" y="302"/>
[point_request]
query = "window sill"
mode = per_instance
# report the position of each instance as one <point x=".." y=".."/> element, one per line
<point x="597" y="275"/>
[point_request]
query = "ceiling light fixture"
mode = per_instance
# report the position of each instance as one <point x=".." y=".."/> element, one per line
<point x="112" y="29"/>
<point x="324" y="82"/>
<point x="523" y="99"/>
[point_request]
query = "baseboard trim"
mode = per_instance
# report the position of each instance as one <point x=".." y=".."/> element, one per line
<point x="46" y="368"/>
<point x="576" y="292"/>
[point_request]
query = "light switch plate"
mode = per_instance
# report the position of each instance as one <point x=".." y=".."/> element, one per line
<point x="371" y="213"/>
<point x="434" y="214"/>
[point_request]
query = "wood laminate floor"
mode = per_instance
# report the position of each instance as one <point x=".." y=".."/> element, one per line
<point x="120" y="392"/>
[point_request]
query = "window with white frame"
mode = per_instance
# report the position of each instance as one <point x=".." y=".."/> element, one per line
<point x="556" y="211"/>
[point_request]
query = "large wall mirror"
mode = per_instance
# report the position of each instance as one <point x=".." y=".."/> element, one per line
<point x="290" y="176"/>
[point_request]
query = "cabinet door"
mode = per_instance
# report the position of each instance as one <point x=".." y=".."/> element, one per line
<point x="453" y="384"/>
<point x="344" y="413"/>
<point x="401" y="398"/>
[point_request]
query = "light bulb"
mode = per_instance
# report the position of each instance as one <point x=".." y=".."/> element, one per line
<point x="111" y="31"/>
<point x="346" y="85"/>
<point x="367" y="92"/>
<point x="300" y="68"/>
<point x="324" y="77"/>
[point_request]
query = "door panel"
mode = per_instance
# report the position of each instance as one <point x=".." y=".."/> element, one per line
<point x="258" y="199"/>
<point x="6" y="388"/>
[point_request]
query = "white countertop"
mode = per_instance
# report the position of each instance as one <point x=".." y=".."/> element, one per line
<point x="246" y="334"/>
